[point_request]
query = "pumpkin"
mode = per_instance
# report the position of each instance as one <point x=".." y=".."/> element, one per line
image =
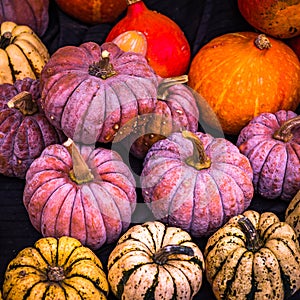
<point x="29" y="12"/>
<point x="24" y="129"/>
<point x="176" y="110"/>
<point x="196" y="182"/>
<point x="80" y="191"/>
<point x="272" y="144"/>
<point x="93" y="11"/>
<point x="243" y="74"/>
<point x="91" y="91"/>
<point x="22" y="53"/>
<point x="280" y="19"/>
<point x="168" y="54"/>
<point x="55" y="269"/>
<point x="292" y="213"/>
<point x="253" y="256"/>
<point x="154" y="261"/>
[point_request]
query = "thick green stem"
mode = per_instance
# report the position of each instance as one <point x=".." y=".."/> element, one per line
<point x="162" y="92"/>
<point x="24" y="103"/>
<point x="102" y="69"/>
<point x="80" y="172"/>
<point x="162" y="255"/>
<point x="253" y="241"/>
<point x="199" y="160"/>
<point x="284" y="133"/>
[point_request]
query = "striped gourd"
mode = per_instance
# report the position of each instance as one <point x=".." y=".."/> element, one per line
<point x="153" y="261"/>
<point x="292" y="213"/>
<point x="55" y="269"/>
<point x="253" y="256"/>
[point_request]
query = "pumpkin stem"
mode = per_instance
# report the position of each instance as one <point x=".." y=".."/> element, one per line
<point x="253" y="241"/>
<point x="55" y="274"/>
<point x="24" y="103"/>
<point x="80" y="172"/>
<point x="199" y="160"/>
<point x="5" y="39"/>
<point x="284" y="133"/>
<point x="103" y="68"/>
<point x="262" y="42"/>
<point x="162" y="92"/>
<point x="162" y="255"/>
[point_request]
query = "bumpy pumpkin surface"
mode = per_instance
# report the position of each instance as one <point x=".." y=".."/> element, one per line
<point x="196" y="182"/>
<point x="91" y="91"/>
<point x="55" y="269"/>
<point x="153" y="261"/>
<point x="175" y="110"/>
<point x="292" y="213"/>
<point x="24" y="129"/>
<point x="242" y="75"/>
<point x="253" y="257"/>
<point x="28" y="12"/>
<point x="85" y="193"/>
<point x="22" y="53"/>
<point x="272" y="144"/>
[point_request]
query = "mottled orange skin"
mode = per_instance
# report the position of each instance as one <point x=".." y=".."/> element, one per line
<point x="93" y="11"/>
<point x="168" y="51"/>
<point x="239" y="81"/>
<point x="280" y="19"/>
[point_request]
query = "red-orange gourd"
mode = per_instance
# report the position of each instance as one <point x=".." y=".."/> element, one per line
<point x="168" y="51"/>
<point x="243" y="74"/>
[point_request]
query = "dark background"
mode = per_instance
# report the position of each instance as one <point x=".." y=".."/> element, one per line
<point x="201" y="21"/>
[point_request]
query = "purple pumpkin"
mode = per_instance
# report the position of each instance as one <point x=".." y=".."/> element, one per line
<point x="91" y="91"/>
<point x="272" y="144"/>
<point x="24" y="129"/>
<point x="196" y="182"/>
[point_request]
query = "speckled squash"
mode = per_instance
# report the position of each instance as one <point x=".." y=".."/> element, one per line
<point x="24" y="129"/>
<point x="91" y="91"/>
<point x="254" y="256"/>
<point x="80" y="191"/>
<point x="175" y="110"/>
<point x="55" y="269"/>
<point x="292" y="213"/>
<point x="196" y="182"/>
<point x="272" y="144"/>
<point x="242" y="75"/>
<point x="154" y="261"/>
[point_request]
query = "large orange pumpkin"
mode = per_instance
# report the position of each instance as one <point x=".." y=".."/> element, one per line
<point x="243" y="74"/>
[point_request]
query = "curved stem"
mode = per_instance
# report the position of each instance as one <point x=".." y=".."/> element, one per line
<point x="162" y="92"/>
<point x="24" y="103"/>
<point x="253" y="241"/>
<point x="162" y="255"/>
<point x="5" y="39"/>
<point x="262" y="42"/>
<point x="80" y="172"/>
<point x="199" y="160"/>
<point x="284" y="133"/>
<point x="103" y="68"/>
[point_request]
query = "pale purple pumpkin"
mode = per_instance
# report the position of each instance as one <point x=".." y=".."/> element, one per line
<point x="24" y="129"/>
<point x="90" y="92"/>
<point x="80" y="191"/>
<point x="272" y="144"/>
<point x="196" y="181"/>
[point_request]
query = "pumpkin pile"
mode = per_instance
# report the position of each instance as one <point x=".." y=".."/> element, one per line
<point x="209" y="133"/>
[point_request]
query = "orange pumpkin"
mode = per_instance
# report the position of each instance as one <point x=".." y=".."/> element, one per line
<point x="243" y="74"/>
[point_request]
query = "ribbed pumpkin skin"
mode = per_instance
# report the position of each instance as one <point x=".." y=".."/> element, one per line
<point x="133" y="273"/>
<point x="28" y="274"/>
<point x="94" y="212"/>
<point x="240" y="81"/>
<point x="23" y="137"/>
<point x="29" y="12"/>
<point x="199" y="201"/>
<point x="271" y="272"/>
<point x="275" y="163"/>
<point x="175" y="110"/>
<point x="88" y="108"/>
<point x="292" y="214"/>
